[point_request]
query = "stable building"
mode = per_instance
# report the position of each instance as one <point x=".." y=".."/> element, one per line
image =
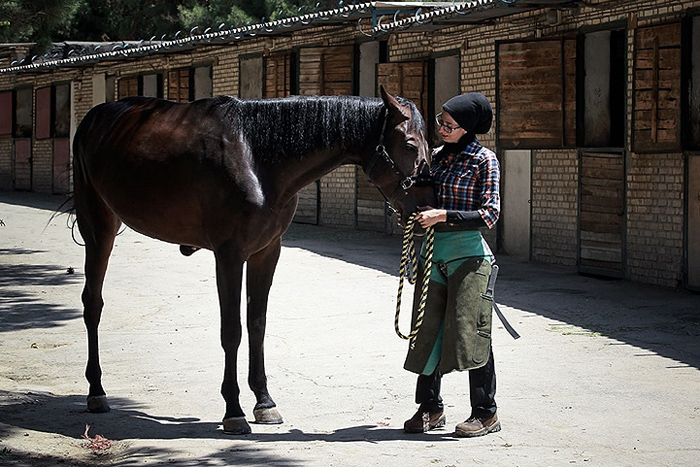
<point x="597" y="104"/>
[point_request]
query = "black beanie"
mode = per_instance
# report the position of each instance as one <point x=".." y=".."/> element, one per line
<point x="471" y="111"/>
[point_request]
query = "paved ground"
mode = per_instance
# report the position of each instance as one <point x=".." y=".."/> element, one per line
<point x="605" y="374"/>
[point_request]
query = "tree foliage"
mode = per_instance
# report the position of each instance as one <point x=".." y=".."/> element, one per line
<point x="38" y="21"/>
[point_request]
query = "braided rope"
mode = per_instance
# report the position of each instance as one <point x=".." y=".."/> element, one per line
<point x="409" y="255"/>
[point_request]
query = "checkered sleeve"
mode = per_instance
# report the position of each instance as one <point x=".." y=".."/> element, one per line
<point x="489" y="172"/>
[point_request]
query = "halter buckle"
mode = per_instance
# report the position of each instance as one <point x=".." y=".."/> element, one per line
<point x="407" y="183"/>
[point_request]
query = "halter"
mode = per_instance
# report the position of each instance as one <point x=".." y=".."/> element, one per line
<point x="405" y="181"/>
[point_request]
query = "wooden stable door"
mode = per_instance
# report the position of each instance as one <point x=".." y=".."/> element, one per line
<point x="61" y="166"/>
<point x="406" y="79"/>
<point x="693" y="235"/>
<point x="326" y="71"/>
<point x="601" y="217"/>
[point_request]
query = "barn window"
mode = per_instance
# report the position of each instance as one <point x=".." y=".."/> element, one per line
<point x="657" y="89"/>
<point x="203" y="83"/>
<point x="537" y="94"/>
<point x="251" y="77"/>
<point x="151" y="85"/>
<point x="110" y="82"/>
<point x="406" y="79"/>
<point x="280" y="74"/>
<point x="188" y="84"/>
<point x="326" y="70"/>
<point x="61" y="111"/>
<point x="602" y="101"/>
<point x="43" y="113"/>
<point x="179" y="85"/>
<point x="128" y="86"/>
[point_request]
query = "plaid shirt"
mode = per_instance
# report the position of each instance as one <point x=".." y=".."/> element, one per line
<point x="470" y="182"/>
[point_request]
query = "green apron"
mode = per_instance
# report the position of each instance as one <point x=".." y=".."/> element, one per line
<point x="456" y="328"/>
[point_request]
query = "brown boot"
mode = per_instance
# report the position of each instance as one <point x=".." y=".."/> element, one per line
<point x="475" y="426"/>
<point x="424" y="421"/>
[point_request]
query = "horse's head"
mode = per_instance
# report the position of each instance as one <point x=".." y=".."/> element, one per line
<point x="400" y="167"/>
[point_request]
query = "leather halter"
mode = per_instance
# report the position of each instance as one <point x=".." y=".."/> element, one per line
<point x="380" y="153"/>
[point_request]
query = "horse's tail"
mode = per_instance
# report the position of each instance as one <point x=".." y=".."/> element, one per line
<point x="79" y="175"/>
<point x="82" y="186"/>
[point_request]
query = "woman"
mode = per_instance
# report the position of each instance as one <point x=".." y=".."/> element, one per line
<point x="456" y="329"/>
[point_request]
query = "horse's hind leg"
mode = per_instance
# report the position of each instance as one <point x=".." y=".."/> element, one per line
<point x="98" y="226"/>
<point x="261" y="268"/>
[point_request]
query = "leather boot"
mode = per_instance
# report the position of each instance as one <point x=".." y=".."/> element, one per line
<point x="424" y="421"/>
<point x="475" y="426"/>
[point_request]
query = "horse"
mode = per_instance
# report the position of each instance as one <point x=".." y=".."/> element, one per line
<point x="223" y="174"/>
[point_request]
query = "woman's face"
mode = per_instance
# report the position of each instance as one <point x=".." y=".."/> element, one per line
<point x="449" y="130"/>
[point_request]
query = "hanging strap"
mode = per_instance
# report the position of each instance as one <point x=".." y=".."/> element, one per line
<point x="410" y="256"/>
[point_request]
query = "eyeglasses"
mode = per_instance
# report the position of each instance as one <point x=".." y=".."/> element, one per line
<point x="441" y="124"/>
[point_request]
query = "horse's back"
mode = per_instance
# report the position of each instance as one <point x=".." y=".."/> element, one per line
<point x="162" y="166"/>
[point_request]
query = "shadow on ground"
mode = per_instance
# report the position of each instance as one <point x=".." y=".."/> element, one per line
<point x="660" y="320"/>
<point x="20" y="308"/>
<point x="129" y="421"/>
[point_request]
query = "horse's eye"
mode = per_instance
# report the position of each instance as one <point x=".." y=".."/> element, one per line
<point x="411" y="147"/>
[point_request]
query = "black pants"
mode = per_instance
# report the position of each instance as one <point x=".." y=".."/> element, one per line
<point x="482" y="390"/>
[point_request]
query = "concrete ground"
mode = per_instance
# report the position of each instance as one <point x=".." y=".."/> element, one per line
<point x="605" y="374"/>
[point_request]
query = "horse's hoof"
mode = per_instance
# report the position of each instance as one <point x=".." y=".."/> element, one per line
<point x="267" y="416"/>
<point x="236" y="426"/>
<point x="97" y="404"/>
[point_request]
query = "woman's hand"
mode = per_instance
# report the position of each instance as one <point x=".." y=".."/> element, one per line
<point x="429" y="216"/>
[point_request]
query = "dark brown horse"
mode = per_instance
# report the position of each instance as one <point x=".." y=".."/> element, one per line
<point x="223" y="174"/>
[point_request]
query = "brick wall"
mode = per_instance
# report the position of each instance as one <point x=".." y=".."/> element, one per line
<point x="338" y="197"/>
<point x="655" y="218"/>
<point x="554" y="207"/>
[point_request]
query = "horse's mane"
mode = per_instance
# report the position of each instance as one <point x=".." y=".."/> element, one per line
<point x="283" y="127"/>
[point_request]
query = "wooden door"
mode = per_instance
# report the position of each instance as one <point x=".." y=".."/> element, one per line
<point x="406" y="79"/>
<point x="278" y="75"/>
<point x="23" y="164"/>
<point x="601" y="216"/>
<point x="326" y="70"/>
<point x="516" y="201"/>
<point x="128" y="86"/>
<point x="179" y="85"/>
<point x="537" y="94"/>
<point x="657" y="89"/>
<point x="693" y="235"/>
<point x="61" y="165"/>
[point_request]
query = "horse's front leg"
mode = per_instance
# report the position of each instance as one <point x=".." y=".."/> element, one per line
<point x="229" y="275"/>
<point x="261" y="268"/>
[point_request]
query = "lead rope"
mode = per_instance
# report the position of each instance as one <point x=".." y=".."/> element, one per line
<point x="408" y="253"/>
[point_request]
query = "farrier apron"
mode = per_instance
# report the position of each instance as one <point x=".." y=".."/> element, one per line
<point x="456" y="328"/>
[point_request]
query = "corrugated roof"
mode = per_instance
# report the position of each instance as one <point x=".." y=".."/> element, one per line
<point x="387" y="17"/>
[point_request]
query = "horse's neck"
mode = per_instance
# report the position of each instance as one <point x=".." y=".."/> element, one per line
<point x="293" y="175"/>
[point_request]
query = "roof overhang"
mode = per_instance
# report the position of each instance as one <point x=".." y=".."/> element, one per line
<point x="385" y="17"/>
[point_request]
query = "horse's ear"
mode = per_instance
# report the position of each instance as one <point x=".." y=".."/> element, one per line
<point x="397" y="110"/>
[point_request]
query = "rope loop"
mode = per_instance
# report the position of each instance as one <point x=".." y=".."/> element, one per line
<point x="409" y="257"/>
